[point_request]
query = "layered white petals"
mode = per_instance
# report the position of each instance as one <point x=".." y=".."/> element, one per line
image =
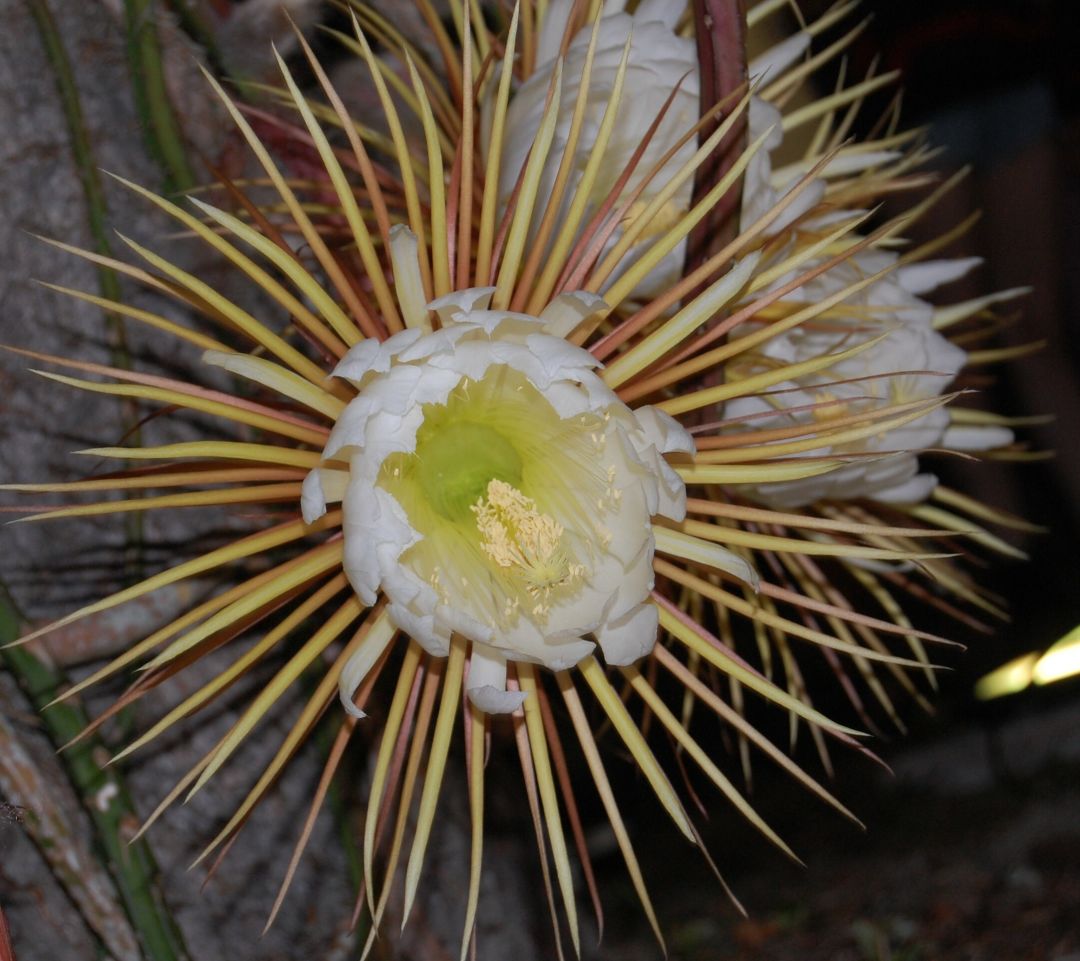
<point x="761" y="192"/>
<point x="585" y="463"/>
<point x="663" y="432"/>
<point x="660" y="63"/>
<point x="912" y="491"/>
<point x="910" y="362"/>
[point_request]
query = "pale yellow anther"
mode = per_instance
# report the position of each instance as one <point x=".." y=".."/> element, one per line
<point x="525" y="542"/>
<point x="603" y="535"/>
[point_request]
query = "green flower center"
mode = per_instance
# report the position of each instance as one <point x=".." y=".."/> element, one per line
<point x="456" y="460"/>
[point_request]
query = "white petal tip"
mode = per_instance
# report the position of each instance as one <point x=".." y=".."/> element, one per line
<point x="216" y="358"/>
<point x="631" y="637"/>
<point x="492" y="700"/>
<point x="312" y="497"/>
<point x="746" y="573"/>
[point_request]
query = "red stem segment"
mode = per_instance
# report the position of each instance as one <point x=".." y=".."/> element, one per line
<point x="720" y="29"/>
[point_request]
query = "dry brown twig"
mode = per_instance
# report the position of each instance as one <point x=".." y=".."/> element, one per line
<point x="63" y="844"/>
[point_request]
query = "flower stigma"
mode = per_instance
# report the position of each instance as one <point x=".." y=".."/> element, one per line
<point x="457" y="464"/>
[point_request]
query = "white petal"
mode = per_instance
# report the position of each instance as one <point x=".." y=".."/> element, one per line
<point x="914" y="491"/>
<point x="440" y="342"/>
<point x="486" y="685"/>
<point x="456" y="621"/>
<point x="421" y="628"/>
<point x="560" y="359"/>
<point x="672" y="491"/>
<point x="408" y="281"/>
<point x="361" y="359"/>
<point x="566" y="311"/>
<point x="977" y="437"/>
<point x="524" y="641"/>
<point x="373" y="519"/>
<point x="362" y="660"/>
<point x="778" y="58"/>
<point x="663" y="11"/>
<point x="472" y="359"/>
<point x="493" y="700"/>
<point x="551" y="30"/>
<point x="631" y="637"/>
<point x="396" y="391"/>
<point x="665" y="433"/>
<point x="503" y="321"/>
<point x="321" y="486"/>
<point x="924" y="277"/>
<point x="810" y="197"/>
<point x="459" y="303"/>
<point x="351" y="427"/>
<point x="762" y="117"/>
<point x="334" y="484"/>
<point x="372" y="356"/>
<point x="312" y="499"/>
<point x="636" y="582"/>
<point x="568" y="400"/>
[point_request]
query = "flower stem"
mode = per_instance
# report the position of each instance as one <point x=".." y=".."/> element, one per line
<point x="107" y="799"/>
<point x="163" y="135"/>
<point x="720" y="29"/>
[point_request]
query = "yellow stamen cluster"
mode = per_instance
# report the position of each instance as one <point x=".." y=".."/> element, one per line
<point x="517" y="537"/>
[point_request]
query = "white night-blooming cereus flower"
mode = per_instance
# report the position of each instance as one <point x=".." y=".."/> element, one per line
<point x="905" y="360"/>
<point x="661" y="86"/>
<point x="507" y="463"/>
<point x="499" y="490"/>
